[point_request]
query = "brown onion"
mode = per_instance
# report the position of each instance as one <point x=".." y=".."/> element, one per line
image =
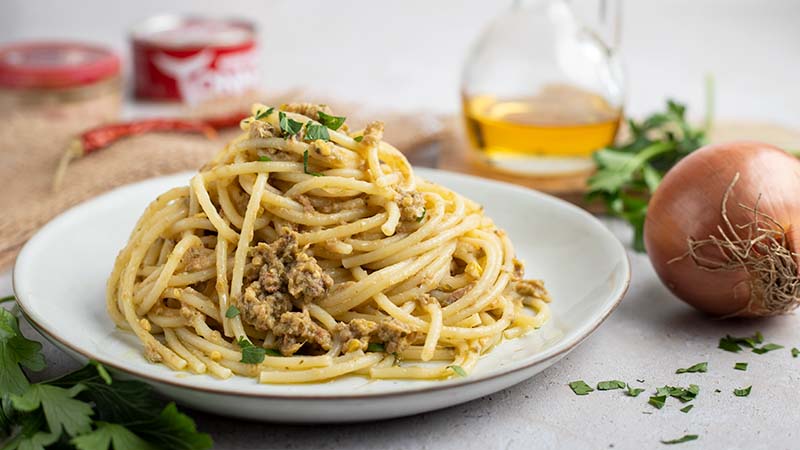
<point x="720" y="230"/>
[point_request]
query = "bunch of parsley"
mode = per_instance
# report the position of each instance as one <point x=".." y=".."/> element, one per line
<point x="87" y="409"/>
<point x="629" y="173"/>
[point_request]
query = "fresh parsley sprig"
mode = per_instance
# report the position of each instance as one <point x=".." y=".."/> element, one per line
<point x="628" y="174"/>
<point x="86" y="410"/>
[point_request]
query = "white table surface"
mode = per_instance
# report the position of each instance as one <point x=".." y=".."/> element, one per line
<point x="416" y="47"/>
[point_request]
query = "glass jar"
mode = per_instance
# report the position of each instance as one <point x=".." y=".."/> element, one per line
<point x="542" y="90"/>
<point x="60" y="80"/>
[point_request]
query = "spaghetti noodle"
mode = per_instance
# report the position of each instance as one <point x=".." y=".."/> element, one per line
<point x="304" y="252"/>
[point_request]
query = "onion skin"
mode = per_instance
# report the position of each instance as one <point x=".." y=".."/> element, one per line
<point x="687" y="204"/>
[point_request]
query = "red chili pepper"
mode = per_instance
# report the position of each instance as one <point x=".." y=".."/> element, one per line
<point x="229" y="121"/>
<point x="101" y="137"/>
<point x="105" y="135"/>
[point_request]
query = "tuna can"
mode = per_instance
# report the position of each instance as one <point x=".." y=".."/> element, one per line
<point x="192" y="59"/>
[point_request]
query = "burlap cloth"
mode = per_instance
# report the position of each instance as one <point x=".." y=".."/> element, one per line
<point x="31" y="146"/>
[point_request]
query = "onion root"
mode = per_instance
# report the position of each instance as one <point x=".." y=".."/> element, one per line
<point x="760" y="248"/>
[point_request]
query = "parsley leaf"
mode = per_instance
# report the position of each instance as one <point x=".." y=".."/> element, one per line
<point x="766" y="348"/>
<point x="376" y="347"/>
<point x="358" y="138"/>
<point x="744" y="392"/>
<point x="610" y="385"/>
<point x="305" y="166"/>
<point x="263" y="114"/>
<point x="795" y="352"/>
<point x="734" y="344"/>
<point x="232" y="312"/>
<point x="680" y="440"/>
<point x="658" y="401"/>
<point x="121" y="401"/>
<point x="272" y="352"/>
<point x="289" y="126"/>
<point x="458" y="370"/>
<point x="687" y="408"/>
<point x="108" y="434"/>
<point x="250" y="353"/>
<point x="634" y="392"/>
<point x="627" y="174"/>
<point x="332" y="122"/>
<point x="264" y="158"/>
<point x="699" y="367"/>
<point x="173" y="430"/>
<point x="729" y="345"/>
<point x="680" y="393"/>
<point x="15" y="349"/>
<point x="422" y="216"/>
<point x="314" y="132"/>
<point x="740" y="366"/>
<point x="580" y="387"/>
<point x="61" y="409"/>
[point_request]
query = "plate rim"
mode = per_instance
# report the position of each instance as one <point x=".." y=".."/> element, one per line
<point x="545" y="356"/>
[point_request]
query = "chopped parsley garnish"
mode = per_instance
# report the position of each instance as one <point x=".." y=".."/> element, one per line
<point x="376" y="347"/>
<point x="687" y="408"/>
<point x="422" y="216"/>
<point x="262" y="114"/>
<point x="332" y="122"/>
<point x="699" y="367"/>
<point x="250" y="353"/>
<point x="743" y="392"/>
<point x="767" y="348"/>
<point x="458" y="370"/>
<point x="657" y="400"/>
<point x="264" y="159"/>
<point x="734" y="344"/>
<point x="682" y="394"/>
<point x="289" y="126"/>
<point x="305" y="166"/>
<point x="681" y="440"/>
<point x="740" y="366"/>
<point x="634" y="392"/>
<point x="314" y="132"/>
<point x="232" y="312"/>
<point x="272" y="352"/>
<point x="640" y="380"/>
<point x="580" y="387"/>
<point x="795" y="352"/>
<point x="610" y="385"/>
<point x="358" y="138"/>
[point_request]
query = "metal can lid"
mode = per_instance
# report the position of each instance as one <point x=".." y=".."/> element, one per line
<point x="55" y="64"/>
<point x="177" y="32"/>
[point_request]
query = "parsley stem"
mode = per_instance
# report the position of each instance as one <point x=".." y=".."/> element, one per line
<point x="9" y="298"/>
<point x="649" y="153"/>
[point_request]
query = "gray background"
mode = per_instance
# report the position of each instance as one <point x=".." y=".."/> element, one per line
<point x="407" y="55"/>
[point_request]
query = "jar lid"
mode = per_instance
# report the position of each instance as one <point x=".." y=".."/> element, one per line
<point x="55" y="64"/>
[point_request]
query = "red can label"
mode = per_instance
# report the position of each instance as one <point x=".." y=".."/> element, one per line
<point x="176" y="64"/>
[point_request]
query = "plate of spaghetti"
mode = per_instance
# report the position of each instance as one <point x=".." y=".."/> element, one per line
<point x="308" y="273"/>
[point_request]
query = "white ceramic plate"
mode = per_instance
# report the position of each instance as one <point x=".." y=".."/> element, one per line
<point x="61" y="273"/>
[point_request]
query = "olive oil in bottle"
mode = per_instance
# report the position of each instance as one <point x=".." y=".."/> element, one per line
<point x="550" y="134"/>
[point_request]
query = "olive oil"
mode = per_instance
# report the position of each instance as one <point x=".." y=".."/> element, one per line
<point x="552" y="133"/>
